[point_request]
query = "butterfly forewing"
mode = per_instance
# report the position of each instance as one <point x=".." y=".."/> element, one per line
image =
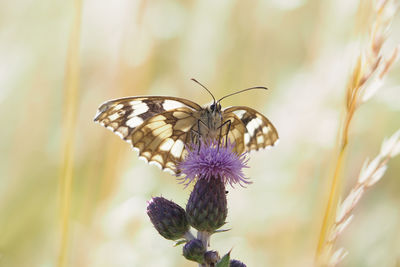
<point x="123" y="115"/>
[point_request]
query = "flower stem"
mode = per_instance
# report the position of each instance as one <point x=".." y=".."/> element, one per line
<point x="189" y="236"/>
<point x="205" y="239"/>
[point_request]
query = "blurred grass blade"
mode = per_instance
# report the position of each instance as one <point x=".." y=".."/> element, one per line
<point x="69" y="125"/>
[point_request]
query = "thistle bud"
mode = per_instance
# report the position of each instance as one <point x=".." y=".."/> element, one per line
<point x="236" y="263"/>
<point x="211" y="257"/>
<point x="168" y="218"/>
<point x="207" y="206"/>
<point x="194" y="251"/>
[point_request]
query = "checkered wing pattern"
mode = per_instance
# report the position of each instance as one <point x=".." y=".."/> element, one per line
<point x="158" y="127"/>
<point x="251" y="130"/>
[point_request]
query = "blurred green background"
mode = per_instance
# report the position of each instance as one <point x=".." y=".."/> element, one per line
<point x="302" y="50"/>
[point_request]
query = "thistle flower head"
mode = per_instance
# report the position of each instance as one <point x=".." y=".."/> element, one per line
<point x="211" y="160"/>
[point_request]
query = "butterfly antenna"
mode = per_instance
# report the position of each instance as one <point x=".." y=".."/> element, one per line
<point x="204" y="88"/>
<point x="244" y="90"/>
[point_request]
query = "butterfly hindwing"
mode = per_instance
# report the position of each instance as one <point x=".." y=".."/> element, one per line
<point x="234" y="130"/>
<point x="163" y="138"/>
<point x="259" y="131"/>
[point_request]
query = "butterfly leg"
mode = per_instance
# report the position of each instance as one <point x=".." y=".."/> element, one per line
<point x="228" y="123"/>
<point x="198" y="132"/>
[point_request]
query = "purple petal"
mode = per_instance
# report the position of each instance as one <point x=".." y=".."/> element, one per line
<point x="213" y="161"/>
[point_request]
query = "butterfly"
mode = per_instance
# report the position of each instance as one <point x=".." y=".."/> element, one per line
<point x="160" y="128"/>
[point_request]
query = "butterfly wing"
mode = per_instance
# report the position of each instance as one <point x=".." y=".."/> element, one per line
<point x="250" y="128"/>
<point x="158" y="126"/>
<point x="163" y="137"/>
<point x="123" y="115"/>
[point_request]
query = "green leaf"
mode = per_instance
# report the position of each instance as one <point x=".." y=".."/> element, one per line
<point x="224" y="262"/>
<point x="180" y="242"/>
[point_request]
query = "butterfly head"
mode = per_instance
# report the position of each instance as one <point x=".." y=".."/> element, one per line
<point x="215" y="108"/>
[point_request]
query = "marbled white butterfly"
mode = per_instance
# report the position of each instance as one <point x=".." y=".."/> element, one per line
<point x="159" y="127"/>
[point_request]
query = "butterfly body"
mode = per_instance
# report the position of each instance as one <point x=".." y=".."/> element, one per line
<point x="209" y="123"/>
<point x="160" y="127"/>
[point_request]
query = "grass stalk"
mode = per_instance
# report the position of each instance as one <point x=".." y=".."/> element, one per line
<point x="69" y="126"/>
<point x="335" y="189"/>
<point x="366" y="78"/>
<point x="330" y="209"/>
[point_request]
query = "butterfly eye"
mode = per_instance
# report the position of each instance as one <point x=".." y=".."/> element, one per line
<point x="212" y="107"/>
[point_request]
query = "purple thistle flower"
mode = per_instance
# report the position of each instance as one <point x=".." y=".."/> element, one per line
<point x="213" y="161"/>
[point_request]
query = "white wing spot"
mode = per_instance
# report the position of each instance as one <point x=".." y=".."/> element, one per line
<point x="143" y="158"/>
<point x="123" y="130"/>
<point x="239" y="113"/>
<point x="119" y="134"/>
<point x="260" y="139"/>
<point x="113" y="116"/>
<point x="118" y="107"/>
<point x="134" y="122"/>
<point x="253" y="125"/>
<point x="146" y="154"/>
<point x="169" y="171"/>
<point x="157" y="158"/>
<point x="177" y="148"/>
<point x="167" y="144"/>
<point x="135" y="102"/>
<point x="246" y="138"/>
<point x="139" y="109"/>
<point x="155" y="163"/>
<point x="265" y="130"/>
<point x="171" y="104"/>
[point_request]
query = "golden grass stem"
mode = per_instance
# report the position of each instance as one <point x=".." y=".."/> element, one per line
<point x="332" y="200"/>
<point x="69" y="125"/>
<point x="330" y="209"/>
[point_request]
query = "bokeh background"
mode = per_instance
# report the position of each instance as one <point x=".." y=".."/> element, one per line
<point x="302" y="50"/>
